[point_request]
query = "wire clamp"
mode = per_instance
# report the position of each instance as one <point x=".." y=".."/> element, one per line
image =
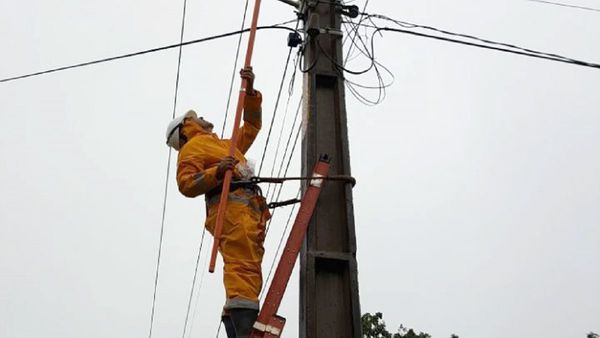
<point x="350" y="11"/>
<point x="294" y="39"/>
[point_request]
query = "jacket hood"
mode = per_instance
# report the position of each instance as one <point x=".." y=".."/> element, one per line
<point x="191" y="129"/>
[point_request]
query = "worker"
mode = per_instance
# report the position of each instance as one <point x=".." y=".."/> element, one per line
<point x="201" y="166"/>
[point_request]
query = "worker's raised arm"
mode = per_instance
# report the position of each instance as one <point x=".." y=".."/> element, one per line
<point x="252" y="112"/>
<point x="193" y="178"/>
<point x="252" y="121"/>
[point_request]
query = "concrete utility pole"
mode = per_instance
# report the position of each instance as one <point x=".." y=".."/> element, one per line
<point x="329" y="302"/>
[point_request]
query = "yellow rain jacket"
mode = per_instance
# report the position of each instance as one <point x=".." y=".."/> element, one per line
<point x="246" y="214"/>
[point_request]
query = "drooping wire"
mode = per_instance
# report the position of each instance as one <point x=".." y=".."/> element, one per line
<point x="289" y="217"/>
<point x="166" y="190"/>
<point x="375" y="65"/>
<point x="285" y="69"/>
<point x="410" y="25"/>
<point x="262" y="293"/>
<point x="279" y="26"/>
<point x="355" y="31"/>
<point x="281" y="134"/>
<point x="187" y="314"/>
<point x="285" y="151"/>
<point x="566" y="5"/>
<point x="539" y="55"/>
<point x="286" y="170"/>
<point x="198" y="295"/>
<point x="487" y="44"/>
<point x="237" y="55"/>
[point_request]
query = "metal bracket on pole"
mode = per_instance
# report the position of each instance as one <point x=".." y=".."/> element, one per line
<point x="296" y="4"/>
<point x="268" y="323"/>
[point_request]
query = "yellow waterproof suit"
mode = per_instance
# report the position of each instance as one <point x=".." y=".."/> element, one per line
<point x="246" y="214"/>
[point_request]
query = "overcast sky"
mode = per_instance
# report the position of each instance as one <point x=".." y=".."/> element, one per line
<point x="477" y="203"/>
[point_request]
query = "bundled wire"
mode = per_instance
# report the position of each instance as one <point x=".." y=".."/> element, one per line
<point x="379" y="69"/>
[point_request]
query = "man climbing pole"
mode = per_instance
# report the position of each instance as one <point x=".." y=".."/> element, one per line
<point x="201" y="166"/>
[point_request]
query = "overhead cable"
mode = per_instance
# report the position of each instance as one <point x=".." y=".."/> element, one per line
<point x="566" y="5"/>
<point x="165" y="194"/>
<point x="148" y="51"/>
<point x="375" y="65"/>
<point x="285" y="69"/>
<point x="285" y="171"/>
<point x="191" y="330"/>
<point x="405" y="24"/>
<point x="287" y="224"/>
<point x="187" y="314"/>
<point x="237" y="56"/>
<point x="286" y="149"/>
<point x="487" y="44"/>
<point x="539" y="55"/>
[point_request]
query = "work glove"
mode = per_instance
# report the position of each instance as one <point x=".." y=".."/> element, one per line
<point x="228" y="163"/>
<point x="247" y="74"/>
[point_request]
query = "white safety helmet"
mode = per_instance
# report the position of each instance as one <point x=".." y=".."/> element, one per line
<point x="174" y="127"/>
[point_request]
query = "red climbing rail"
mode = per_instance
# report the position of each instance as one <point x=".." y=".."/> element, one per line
<point x="234" y="139"/>
<point x="269" y="324"/>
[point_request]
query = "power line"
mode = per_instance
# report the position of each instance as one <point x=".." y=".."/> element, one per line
<point x="164" y="209"/>
<point x="285" y="69"/>
<point x="187" y="314"/>
<point x="237" y="55"/>
<point x="409" y="25"/>
<point x="355" y="31"/>
<point x="539" y="55"/>
<point x="490" y="44"/>
<point x="287" y="224"/>
<point x="566" y="5"/>
<point x="286" y="169"/>
<point x="287" y="63"/>
<point x="199" y="289"/>
<point x="375" y="65"/>
<point x="286" y="149"/>
<point x="148" y="51"/>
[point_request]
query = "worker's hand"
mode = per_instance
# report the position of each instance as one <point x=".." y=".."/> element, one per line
<point x="228" y="163"/>
<point x="247" y="74"/>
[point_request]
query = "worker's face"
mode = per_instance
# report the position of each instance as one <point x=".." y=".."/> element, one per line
<point x="204" y="124"/>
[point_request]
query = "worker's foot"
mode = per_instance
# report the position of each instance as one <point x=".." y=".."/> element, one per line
<point x="243" y="320"/>
<point x="226" y="319"/>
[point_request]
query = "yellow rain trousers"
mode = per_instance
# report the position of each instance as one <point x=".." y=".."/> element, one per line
<point x="246" y="214"/>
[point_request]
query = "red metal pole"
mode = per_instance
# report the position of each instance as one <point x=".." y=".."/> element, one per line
<point x="234" y="139"/>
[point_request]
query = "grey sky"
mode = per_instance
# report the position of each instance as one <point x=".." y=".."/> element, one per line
<point x="478" y="176"/>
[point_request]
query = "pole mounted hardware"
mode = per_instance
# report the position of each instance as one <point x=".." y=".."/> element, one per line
<point x="350" y="11"/>
<point x="291" y="3"/>
<point x="294" y="39"/>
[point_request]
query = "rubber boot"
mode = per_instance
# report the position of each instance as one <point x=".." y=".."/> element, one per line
<point x="228" y="326"/>
<point x="243" y="321"/>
